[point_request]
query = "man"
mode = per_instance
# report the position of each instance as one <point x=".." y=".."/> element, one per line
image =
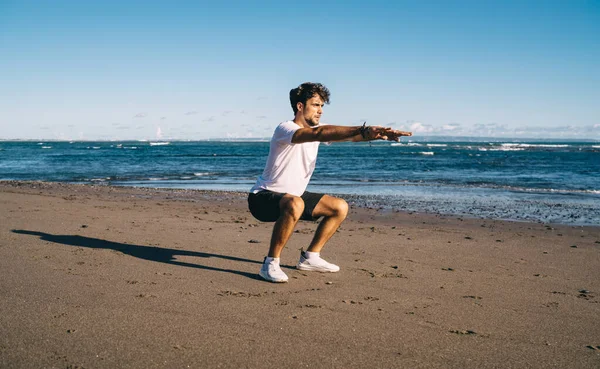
<point x="280" y="195"/>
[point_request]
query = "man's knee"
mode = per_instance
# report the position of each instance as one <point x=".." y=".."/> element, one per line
<point x="293" y="206"/>
<point x="341" y="208"/>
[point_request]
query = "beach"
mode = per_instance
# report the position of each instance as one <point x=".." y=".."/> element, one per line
<point x="95" y="276"/>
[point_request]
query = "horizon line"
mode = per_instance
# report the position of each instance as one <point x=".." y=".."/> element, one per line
<point x="262" y="139"/>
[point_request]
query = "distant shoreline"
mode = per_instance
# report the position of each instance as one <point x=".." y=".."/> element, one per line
<point x="191" y="194"/>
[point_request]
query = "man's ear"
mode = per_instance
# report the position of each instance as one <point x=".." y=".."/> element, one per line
<point x="299" y="106"/>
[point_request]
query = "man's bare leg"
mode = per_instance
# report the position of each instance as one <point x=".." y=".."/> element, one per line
<point x="334" y="210"/>
<point x="291" y="210"/>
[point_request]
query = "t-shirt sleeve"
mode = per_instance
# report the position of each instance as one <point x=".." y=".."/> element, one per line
<point x="284" y="132"/>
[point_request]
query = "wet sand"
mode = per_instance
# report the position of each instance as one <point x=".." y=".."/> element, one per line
<point x="106" y="277"/>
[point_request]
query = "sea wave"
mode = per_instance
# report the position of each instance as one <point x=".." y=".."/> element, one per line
<point x="352" y="183"/>
<point x="405" y="144"/>
<point x="508" y="148"/>
<point x="525" y="145"/>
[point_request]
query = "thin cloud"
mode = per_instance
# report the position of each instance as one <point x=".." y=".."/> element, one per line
<point x="140" y="115"/>
<point x="418" y="127"/>
<point x="209" y="119"/>
<point x="451" y="127"/>
<point x="226" y="113"/>
<point x="262" y="117"/>
<point x="193" y="112"/>
<point x="490" y="129"/>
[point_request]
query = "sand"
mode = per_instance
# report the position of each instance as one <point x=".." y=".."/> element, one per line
<point x="106" y="277"/>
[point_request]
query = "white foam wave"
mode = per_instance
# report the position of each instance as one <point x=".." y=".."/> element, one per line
<point x="159" y="143"/>
<point x="426" y="153"/>
<point x="405" y="144"/>
<point x="596" y="146"/>
<point x="46" y="147"/>
<point x="532" y="145"/>
<point x="552" y="190"/>
<point x="437" y="145"/>
<point x="509" y="148"/>
<point x="202" y="174"/>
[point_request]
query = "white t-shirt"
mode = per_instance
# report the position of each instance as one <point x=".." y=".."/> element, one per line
<point x="289" y="166"/>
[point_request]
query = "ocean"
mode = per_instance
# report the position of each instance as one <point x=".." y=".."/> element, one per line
<point x="549" y="182"/>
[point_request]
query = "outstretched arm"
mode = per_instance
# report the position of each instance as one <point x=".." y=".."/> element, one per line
<point x="343" y="133"/>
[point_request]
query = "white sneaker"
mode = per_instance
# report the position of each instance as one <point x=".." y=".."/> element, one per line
<point x="272" y="272"/>
<point x="316" y="264"/>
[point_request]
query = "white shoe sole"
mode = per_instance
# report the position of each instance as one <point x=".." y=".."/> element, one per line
<point x="270" y="279"/>
<point x="311" y="268"/>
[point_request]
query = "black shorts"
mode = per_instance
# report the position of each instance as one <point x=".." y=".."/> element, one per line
<point x="264" y="205"/>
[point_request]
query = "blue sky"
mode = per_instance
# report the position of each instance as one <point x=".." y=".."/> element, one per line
<point x="122" y="69"/>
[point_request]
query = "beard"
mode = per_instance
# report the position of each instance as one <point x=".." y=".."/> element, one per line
<point x="311" y="122"/>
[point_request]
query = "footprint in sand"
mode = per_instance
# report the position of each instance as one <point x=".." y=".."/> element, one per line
<point x="463" y="332"/>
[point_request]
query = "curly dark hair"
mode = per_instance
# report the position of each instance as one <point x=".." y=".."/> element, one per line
<point x="305" y="91"/>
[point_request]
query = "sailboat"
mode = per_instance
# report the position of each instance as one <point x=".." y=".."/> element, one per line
<point x="158" y="137"/>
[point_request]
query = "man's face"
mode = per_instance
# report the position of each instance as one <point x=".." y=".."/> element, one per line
<point x="312" y="110"/>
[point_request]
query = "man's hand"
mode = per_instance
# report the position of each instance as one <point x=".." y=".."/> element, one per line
<point x="385" y="133"/>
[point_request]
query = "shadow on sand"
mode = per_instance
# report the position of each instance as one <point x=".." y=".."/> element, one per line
<point x="158" y="254"/>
